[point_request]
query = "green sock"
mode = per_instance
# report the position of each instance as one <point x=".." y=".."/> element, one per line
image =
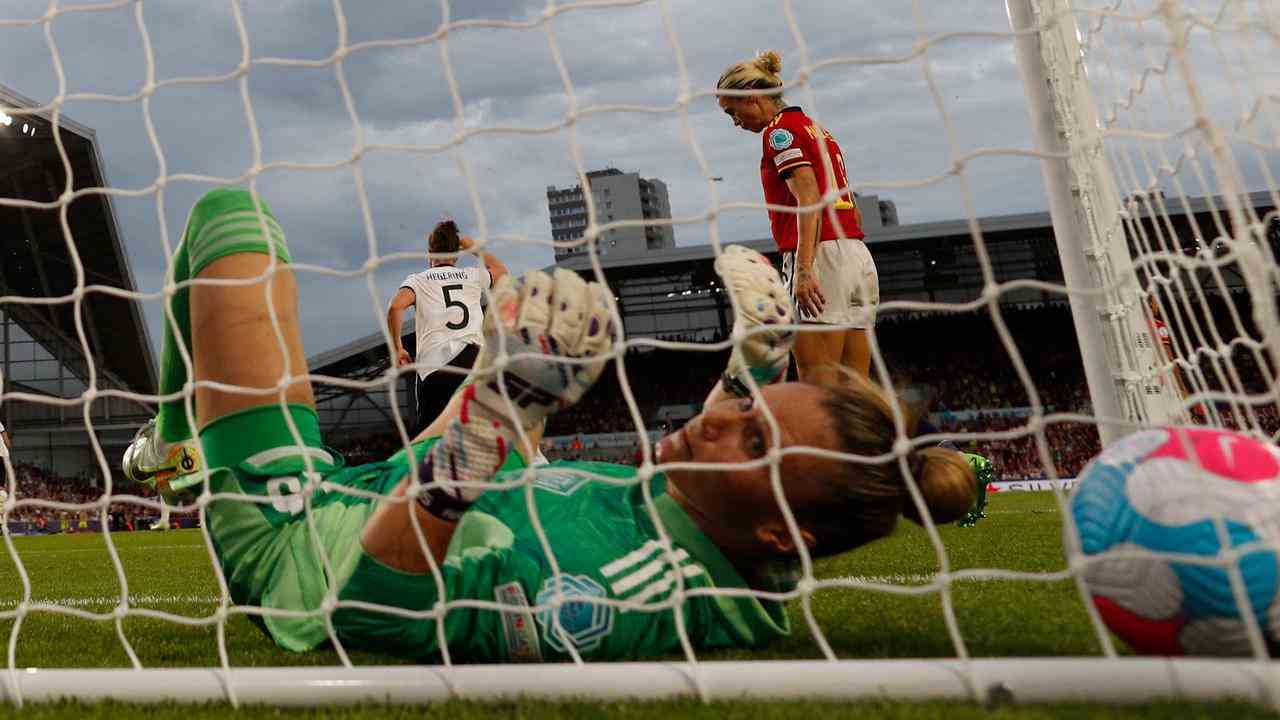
<point x="223" y="222"/>
<point x="171" y="422"/>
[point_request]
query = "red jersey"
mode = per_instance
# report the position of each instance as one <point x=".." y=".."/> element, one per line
<point x="791" y="142"/>
<point x="1162" y="335"/>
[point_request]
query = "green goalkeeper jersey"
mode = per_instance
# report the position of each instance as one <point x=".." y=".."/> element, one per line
<point x="286" y="518"/>
<point x="601" y="584"/>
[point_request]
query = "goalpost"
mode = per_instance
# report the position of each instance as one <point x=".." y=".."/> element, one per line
<point x="1094" y="143"/>
<point x="1126" y="130"/>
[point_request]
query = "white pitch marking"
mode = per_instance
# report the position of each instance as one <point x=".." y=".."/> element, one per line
<point x="24" y="553"/>
<point x="916" y="579"/>
<point x="134" y="600"/>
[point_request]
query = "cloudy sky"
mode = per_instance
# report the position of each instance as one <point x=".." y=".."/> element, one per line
<point x="892" y="132"/>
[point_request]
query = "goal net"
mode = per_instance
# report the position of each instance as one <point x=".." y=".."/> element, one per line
<point x="1152" y="130"/>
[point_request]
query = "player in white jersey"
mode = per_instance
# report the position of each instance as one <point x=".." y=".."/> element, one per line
<point x="447" y="319"/>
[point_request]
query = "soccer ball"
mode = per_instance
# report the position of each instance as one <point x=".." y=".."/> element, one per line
<point x="1160" y="491"/>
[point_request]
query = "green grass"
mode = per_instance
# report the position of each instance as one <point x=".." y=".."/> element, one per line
<point x="172" y="572"/>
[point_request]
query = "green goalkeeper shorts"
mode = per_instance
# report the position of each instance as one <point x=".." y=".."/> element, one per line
<point x="287" y="518"/>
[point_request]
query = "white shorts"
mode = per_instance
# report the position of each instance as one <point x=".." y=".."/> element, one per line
<point x="846" y="272"/>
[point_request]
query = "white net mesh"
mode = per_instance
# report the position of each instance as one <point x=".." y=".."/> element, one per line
<point x="1187" y="111"/>
<point x="1179" y="176"/>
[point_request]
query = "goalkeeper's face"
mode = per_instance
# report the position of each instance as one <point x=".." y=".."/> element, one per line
<point x="740" y="501"/>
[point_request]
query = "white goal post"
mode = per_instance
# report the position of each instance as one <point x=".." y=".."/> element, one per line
<point x="1129" y="154"/>
<point x="1085" y="206"/>
<point x="1089" y="73"/>
<point x="990" y="682"/>
<point x="1083" y="137"/>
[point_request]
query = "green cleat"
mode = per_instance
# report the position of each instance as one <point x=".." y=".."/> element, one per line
<point x="985" y="473"/>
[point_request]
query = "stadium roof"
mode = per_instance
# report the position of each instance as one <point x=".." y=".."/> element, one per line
<point x="366" y="357"/>
<point x="358" y="355"/>
<point x="35" y="261"/>
<point x="916" y="234"/>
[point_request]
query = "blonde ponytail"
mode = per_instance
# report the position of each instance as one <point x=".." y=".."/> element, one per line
<point x="864" y="500"/>
<point x="946" y="482"/>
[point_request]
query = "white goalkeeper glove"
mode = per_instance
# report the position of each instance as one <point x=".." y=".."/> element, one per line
<point x="542" y="321"/>
<point x="762" y="299"/>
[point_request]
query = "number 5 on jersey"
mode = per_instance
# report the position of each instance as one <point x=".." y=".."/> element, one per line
<point x="449" y="302"/>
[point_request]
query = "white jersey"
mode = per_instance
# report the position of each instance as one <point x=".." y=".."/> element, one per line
<point x="447" y="315"/>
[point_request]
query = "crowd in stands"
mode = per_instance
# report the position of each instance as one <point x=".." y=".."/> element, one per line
<point x="964" y="364"/>
<point x="1070" y="446"/>
<point x="656" y="377"/>
<point x="958" y="359"/>
<point x="368" y="448"/>
<point x="958" y="363"/>
<point x="958" y="366"/>
<point x="35" y="482"/>
<point x="625" y="455"/>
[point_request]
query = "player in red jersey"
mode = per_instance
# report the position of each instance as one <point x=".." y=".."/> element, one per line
<point x="828" y="268"/>
<point x="1164" y="338"/>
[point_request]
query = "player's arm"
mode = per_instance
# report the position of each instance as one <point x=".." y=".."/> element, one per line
<point x="4" y="437"/>
<point x="496" y="267"/>
<point x="403" y="300"/>
<point x="803" y="184"/>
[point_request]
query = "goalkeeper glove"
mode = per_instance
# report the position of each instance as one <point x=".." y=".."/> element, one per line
<point x="542" y="321"/>
<point x="761" y="299"/>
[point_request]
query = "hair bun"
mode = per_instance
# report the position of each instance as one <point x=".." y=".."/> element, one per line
<point x="769" y="61"/>
<point x="946" y="481"/>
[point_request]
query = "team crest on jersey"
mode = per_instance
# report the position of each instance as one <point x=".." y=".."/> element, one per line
<point x="781" y="139"/>
<point x="582" y="622"/>
<point x="560" y="483"/>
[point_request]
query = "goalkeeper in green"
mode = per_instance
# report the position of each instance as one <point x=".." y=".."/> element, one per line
<point x="455" y="547"/>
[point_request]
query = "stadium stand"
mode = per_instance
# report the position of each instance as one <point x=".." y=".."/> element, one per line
<point x="954" y="360"/>
<point x="41" y="349"/>
<point x="34" y="481"/>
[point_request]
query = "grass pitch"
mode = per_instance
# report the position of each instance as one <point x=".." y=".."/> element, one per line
<point x="172" y="572"/>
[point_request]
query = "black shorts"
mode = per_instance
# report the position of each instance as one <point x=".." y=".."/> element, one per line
<point x="434" y="391"/>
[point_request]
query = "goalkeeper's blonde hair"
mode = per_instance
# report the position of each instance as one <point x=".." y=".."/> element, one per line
<point x="759" y="73"/>
<point x="866" y="498"/>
